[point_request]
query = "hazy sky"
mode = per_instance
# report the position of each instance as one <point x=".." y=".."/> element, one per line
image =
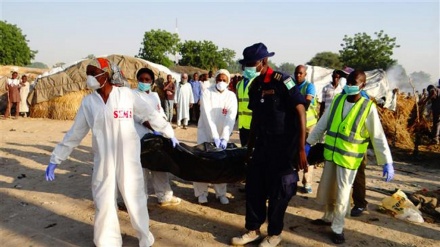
<point x="66" y="31"/>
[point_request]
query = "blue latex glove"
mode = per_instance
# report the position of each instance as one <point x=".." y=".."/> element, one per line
<point x="174" y="141"/>
<point x="50" y="171"/>
<point x="307" y="148"/>
<point x="223" y="144"/>
<point x="388" y="171"/>
<point x="157" y="133"/>
<point x="217" y="142"/>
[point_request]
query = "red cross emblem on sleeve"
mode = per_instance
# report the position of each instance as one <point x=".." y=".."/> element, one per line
<point x="224" y="111"/>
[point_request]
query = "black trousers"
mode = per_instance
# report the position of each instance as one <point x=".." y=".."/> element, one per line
<point x="269" y="177"/>
<point x="194" y="113"/>
<point x="244" y="136"/>
<point x="359" y="186"/>
<point x="277" y="189"/>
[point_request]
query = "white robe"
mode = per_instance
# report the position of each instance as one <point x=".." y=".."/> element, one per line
<point x="116" y="149"/>
<point x="217" y="118"/>
<point x="24" y="92"/>
<point x="183" y="97"/>
<point x="336" y="181"/>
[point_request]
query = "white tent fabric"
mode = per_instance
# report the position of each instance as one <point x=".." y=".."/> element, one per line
<point x="377" y="82"/>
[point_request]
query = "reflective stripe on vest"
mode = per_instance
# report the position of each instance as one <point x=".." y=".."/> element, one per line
<point x="344" y="144"/>
<point x="311" y="116"/>
<point x="244" y="114"/>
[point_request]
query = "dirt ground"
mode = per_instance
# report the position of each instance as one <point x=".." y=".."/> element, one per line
<point x="60" y="213"/>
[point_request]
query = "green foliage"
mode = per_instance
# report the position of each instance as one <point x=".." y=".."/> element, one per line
<point x="14" y="47"/>
<point x="366" y="53"/>
<point x="287" y="68"/>
<point x="38" y="65"/>
<point x="205" y="54"/>
<point x="157" y="45"/>
<point x="326" y="59"/>
<point x="234" y="67"/>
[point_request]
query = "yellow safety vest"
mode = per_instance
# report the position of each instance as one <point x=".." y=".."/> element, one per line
<point x="244" y="114"/>
<point x="344" y="144"/>
<point x="311" y="115"/>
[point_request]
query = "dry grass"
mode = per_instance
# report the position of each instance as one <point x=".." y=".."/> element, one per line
<point x="402" y="126"/>
<point x="61" y="108"/>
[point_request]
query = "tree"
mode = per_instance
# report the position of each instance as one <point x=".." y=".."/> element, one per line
<point x="228" y="56"/>
<point x="287" y="68"/>
<point x="38" y="65"/>
<point x="326" y="59"/>
<point x="235" y="67"/>
<point x="363" y="52"/>
<point x="14" y="47"/>
<point x="205" y="54"/>
<point x="158" y="45"/>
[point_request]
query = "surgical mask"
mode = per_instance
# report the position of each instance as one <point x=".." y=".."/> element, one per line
<point x="144" y="86"/>
<point x="221" y="86"/>
<point x="93" y="84"/>
<point x="351" y="90"/>
<point x="250" y="72"/>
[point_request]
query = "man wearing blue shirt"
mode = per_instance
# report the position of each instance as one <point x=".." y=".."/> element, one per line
<point x="308" y="90"/>
<point x="197" y="93"/>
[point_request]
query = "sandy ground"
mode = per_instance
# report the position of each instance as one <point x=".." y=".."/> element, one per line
<point x="38" y="213"/>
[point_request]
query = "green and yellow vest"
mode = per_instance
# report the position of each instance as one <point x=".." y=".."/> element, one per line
<point x="344" y="144"/>
<point x="311" y="115"/>
<point x="244" y="114"/>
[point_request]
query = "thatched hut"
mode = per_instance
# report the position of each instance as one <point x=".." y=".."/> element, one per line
<point x="59" y="95"/>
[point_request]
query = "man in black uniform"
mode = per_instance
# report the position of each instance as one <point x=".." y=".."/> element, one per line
<point x="278" y="130"/>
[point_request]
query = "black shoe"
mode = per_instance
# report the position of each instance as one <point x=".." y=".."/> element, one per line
<point x="321" y="222"/>
<point x="338" y="238"/>
<point x="356" y="212"/>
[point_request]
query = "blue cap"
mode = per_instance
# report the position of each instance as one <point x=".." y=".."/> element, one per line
<point x="254" y="53"/>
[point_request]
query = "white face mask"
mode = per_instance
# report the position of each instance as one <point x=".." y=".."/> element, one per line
<point x="93" y="84"/>
<point x="221" y="86"/>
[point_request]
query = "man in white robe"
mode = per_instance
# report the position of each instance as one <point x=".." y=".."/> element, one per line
<point x="184" y="100"/>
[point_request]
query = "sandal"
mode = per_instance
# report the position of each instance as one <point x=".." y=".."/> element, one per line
<point x="338" y="238"/>
<point x="321" y="222"/>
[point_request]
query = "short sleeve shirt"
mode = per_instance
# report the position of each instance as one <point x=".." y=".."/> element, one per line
<point x="328" y="93"/>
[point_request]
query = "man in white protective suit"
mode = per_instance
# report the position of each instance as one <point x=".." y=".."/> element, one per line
<point x="160" y="180"/>
<point x="218" y="109"/>
<point x="110" y="112"/>
<point x="184" y="100"/>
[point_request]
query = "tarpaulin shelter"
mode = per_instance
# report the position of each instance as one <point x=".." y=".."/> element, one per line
<point x="377" y="85"/>
<point x="72" y="79"/>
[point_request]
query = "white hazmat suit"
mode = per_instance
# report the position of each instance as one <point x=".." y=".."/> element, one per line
<point x="160" y="180"/>
<point x="217" y="118"/>
<point x="116" y="150"/>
